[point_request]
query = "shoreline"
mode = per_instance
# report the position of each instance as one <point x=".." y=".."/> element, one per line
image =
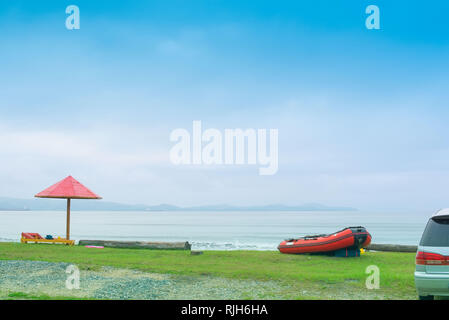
<point x="388" y="247"/>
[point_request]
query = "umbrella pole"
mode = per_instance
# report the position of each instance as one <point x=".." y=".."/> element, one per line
<point x="68" y="219"/>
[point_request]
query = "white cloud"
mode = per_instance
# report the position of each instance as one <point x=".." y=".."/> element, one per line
<point x="86" y="147"/>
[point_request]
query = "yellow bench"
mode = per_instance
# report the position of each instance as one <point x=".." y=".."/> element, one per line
<point x="57" y="240"/>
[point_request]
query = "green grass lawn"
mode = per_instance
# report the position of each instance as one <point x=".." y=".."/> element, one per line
<point x="339" y="277"/>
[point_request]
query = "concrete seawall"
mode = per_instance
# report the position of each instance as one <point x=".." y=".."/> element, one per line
<point x="137" y="244"/>
<point x="392" y="247"/>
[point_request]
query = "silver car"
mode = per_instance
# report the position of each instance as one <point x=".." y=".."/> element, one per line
<point x="432" y="258"/>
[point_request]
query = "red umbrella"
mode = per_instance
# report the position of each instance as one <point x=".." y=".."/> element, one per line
<point x="68" y="188"/>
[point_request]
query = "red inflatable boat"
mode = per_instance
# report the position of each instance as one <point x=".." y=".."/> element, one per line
<point x="352" y="237"/>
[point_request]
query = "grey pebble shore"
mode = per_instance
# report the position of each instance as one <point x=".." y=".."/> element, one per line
<point x="49" y="278"/>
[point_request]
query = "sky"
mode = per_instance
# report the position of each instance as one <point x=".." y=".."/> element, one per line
<point x="362" y="114"/>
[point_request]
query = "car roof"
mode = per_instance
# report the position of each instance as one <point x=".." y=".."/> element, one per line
<point x="441" y="213"/>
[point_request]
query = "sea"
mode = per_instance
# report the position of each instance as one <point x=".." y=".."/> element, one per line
<point x="210" y="230"/>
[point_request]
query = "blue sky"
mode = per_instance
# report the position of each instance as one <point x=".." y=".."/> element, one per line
<point x="362" y="114"/>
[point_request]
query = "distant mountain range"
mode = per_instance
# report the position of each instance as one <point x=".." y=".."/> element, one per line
<point x="11" y="204"/>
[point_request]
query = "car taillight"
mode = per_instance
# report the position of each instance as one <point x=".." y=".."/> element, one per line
<point x="428" y="258"/>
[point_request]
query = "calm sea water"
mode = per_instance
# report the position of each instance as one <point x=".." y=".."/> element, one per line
<point x="212" y="230"/>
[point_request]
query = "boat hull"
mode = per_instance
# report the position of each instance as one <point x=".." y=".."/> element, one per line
<point x="352" y="237"/>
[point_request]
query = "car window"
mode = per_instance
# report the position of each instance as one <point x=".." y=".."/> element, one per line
<point x="436" y="233"/>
